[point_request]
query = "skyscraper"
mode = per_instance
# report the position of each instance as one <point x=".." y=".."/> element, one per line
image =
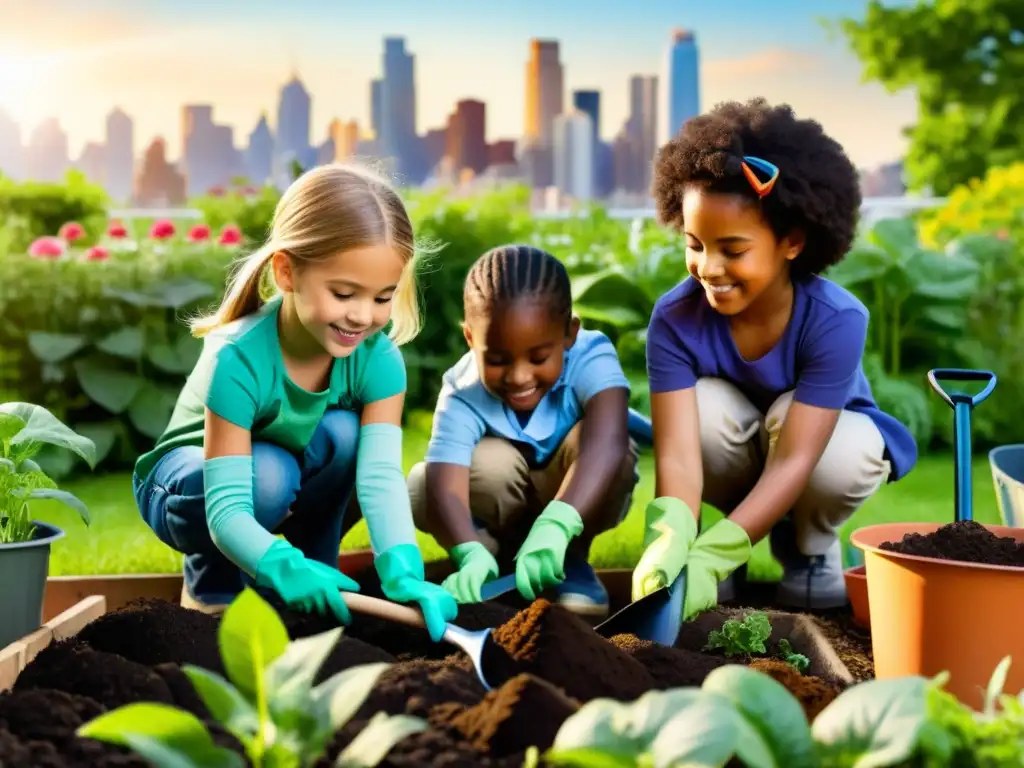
<point x="399" y="141"/>
<point x="682" y="76"/>
<point x="573" y="135"/>
<point x="46" y="155"/>
<point x="259" y="154"/>
<point x="544" y="90"/>
<point x="293" y="131"/>
<point x="642" y="125"/>
<point x="119" y="157"/>
<point x="467" y="136"/>
<point x="375" y="106"/>
<point x="589" y="102"/>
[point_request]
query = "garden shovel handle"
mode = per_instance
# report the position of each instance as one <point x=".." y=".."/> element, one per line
<point x="384" y="609"/>
<point x="935" y="375"/>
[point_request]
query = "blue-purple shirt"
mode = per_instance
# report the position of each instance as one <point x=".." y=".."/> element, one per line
<point x="818" y="357"/>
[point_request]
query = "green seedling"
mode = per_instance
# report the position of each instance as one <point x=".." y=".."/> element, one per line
<point x="24" y="430"/>
<point x="788" y="655"/>
<point x="268" y="702"/>
<point x="741" y="638"/>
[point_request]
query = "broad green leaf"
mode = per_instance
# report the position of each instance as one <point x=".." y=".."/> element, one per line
<point x="897" y="236"/>
<point x="590" y="757"/>
<point x="41" y="426"/>
<point x="179" y="357"/>
<point x="599" y="725"/>
<point x="879" y="721"/>
<point x="65" y="498"/>
<point x="377" y="738"/>
<point x="770" y="709"/>
<point x="180" y="292"/>
<point x="178" y="731"/>
<point x="10" y="425"/>
<point x="165" y="756"/>
<point x="620" y="317"/>
<point x="104" y="435"/>
<point x="292" y="673"/>
<point x="251" y="636"/>
<point x="704" y="732"/>
<point x="337" y="698"/>
<point x="7" y="465"/>
<point x="151" y="410"/>
<point x="125" y="342"/>
<point x="135" y="298"/>
<point x="863" y="264"/>
<point x="112" y="388"/>
<point x="940" y="276"/>
<point x="226" y="704"/>
<point x="54" y="347"/>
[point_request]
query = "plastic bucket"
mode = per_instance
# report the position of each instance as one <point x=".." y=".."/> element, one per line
<point x="930" y="615"/>
<point x="1007" y="464"/>
<point x="24" y="567"/>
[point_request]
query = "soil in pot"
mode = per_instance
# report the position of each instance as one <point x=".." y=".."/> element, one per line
<point x="544" y="663"/>
<point x="965" y="541"/>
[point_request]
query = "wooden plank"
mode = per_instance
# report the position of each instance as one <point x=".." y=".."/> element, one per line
<point x="12" y="661"/>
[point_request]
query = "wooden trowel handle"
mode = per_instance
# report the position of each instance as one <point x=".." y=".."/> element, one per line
<point x="383" y="609"/>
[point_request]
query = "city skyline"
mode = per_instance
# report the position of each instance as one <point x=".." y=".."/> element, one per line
<point x="178" y="57"/>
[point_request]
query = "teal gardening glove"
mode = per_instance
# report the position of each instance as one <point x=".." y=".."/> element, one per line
<point x="476" y="566"/>
<point x="401" y="576"/>
<point x="669" y="531"/>
<point x="540" y="562"/>
<point x="302" y="583"/>
<point x="719" y="551"/>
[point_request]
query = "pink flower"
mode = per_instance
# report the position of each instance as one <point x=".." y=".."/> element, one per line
<point x="71" y="231"/>
<point x="162" y="229"/>
<point x="97" y="253"/>
<point x="47" y="248"/>
<point x="217" y="191"/>
<point x="1003" y="234"/>
<point x="230" y="235"/>
<point x="199" y="233"/>
<point x="117" y="230"/>
<point x="250" y="191"/>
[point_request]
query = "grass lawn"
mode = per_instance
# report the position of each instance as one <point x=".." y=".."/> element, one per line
<point x="119" y="542"/>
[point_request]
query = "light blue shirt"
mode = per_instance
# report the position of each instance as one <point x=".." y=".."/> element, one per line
<point x="466" y="412"/>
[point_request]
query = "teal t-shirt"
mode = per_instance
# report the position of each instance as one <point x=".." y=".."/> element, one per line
<point x="241" y="377"/>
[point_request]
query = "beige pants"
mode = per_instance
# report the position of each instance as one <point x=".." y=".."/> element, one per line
<point x="736" y="440"/>
<point x="505" y="494"/>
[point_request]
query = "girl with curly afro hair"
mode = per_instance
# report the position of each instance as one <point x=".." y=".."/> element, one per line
<point x="759" y="401"/>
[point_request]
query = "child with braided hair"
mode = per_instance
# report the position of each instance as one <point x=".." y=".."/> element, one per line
<point x="530" y="433"/>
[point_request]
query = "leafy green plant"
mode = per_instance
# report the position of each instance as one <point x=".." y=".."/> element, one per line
<point x="741" y="638"/>
<point x="790" y="656"/>
<point x="268" y="702"/>
<point x="744" y="715"/>
<point x="24" y="430"/>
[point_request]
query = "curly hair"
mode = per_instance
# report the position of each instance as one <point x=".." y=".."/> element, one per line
<point x="818" y="189"/>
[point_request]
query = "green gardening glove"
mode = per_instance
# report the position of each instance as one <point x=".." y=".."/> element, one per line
<point x="719" y="551"/>
<point x="476" y="566"/>
<point x="669" y="531"/>
<point x="401" y="577"/>
<point x="302" y="583"/>
<point x="540" y="562"/>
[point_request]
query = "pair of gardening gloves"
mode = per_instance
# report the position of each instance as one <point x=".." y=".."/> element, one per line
<point x="671" y="543"/>
<point x="540" y="562"/>
<point x="312" y="586"/>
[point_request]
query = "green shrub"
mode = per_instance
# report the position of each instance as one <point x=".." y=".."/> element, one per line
<point x="33" y="209"/>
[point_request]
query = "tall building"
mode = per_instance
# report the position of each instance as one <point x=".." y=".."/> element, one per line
<point x="682" y="82"/>
<point x="544" y="90"/>
<point x="119" y="156"/>
<point x="345" y="136"/>
<point x="399" y="141"/>
<point x="589" y="102"/>
<point x="12" y="156"/>
<point x="642" y="124"/>
<point x="158" y="183"/>
<point x="46" y="157"/>
<point x="92" y="162"/>
<point x="292" y="141"/>
<point x="376" y="89"/>
<point x="259" y="154"/>
<point x="466" y="144"/>
<point x="574" y="155"/>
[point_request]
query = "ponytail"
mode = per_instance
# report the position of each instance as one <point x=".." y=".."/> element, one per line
<point x="246" y="292"/>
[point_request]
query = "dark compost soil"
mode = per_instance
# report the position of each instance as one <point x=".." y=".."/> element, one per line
<point x="545" y="662"/>
<point x="965" y="541"/>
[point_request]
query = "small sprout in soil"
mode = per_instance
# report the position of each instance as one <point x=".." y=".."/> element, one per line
<point x="741" y="638"/>
<point x="790" y="656"/>
<point x="268" y="702"/>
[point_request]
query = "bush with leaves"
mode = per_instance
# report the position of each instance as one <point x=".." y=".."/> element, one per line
<point x="33" y="209"/>
<point x="268" y="702"/>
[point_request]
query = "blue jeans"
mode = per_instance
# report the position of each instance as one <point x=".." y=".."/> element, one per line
<point x="317" y="489"/>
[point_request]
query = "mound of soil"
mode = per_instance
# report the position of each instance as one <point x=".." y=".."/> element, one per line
<point x="813" y="693"/>
<point x="543" y="663"/>
<point x="965" y="541"/>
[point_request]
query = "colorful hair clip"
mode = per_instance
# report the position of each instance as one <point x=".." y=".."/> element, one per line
<point x="762" y="188"/>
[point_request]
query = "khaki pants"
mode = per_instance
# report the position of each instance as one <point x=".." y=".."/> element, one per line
<point x="506" y="495"/>
<point x="736" y="440"/>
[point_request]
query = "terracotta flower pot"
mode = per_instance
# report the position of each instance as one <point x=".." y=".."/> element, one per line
<point x="930" y="615"/>
<point x="857" y="591"/>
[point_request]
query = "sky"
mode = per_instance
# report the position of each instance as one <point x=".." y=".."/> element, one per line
<point x="77" y="59"/>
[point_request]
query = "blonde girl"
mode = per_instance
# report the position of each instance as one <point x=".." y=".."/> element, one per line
<point x="290" y="421"/>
